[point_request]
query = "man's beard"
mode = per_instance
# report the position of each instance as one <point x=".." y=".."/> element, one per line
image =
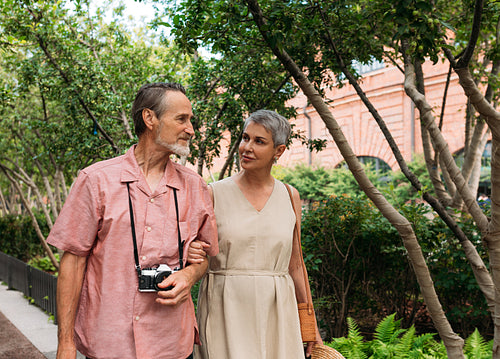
<point x="179" y="150"/>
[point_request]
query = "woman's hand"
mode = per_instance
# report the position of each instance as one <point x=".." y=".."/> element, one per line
<point x="196" y="252"/>
<point x="311" y="344"/>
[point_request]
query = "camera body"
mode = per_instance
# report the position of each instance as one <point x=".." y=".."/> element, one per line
<point x="151" y="277"/>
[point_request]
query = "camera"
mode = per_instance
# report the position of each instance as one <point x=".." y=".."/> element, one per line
<point x="151" y="277"/>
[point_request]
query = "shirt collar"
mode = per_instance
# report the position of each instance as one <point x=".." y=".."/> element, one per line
<point x="131" y="172"/>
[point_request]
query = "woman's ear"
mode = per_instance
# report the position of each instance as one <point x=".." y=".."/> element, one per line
<point x="279" y="150"/>
<point x="148" y="116"/>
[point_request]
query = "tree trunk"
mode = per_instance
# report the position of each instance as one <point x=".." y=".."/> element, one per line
<point x="27" y="206"/>
<point x="492" y="235"/>
<point x="453" y="342"/>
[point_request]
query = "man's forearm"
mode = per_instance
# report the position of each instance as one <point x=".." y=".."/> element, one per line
<point x="69" y="286"/>
<point x="197" y="270"/>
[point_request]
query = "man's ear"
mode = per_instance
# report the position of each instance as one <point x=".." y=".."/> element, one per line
<point x="148" y="116"/>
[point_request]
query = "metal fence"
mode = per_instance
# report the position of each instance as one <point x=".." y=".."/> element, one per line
<point x="37" y="285"/>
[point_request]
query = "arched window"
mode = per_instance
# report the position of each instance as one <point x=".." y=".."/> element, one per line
<point x="377" y="164"/>
<point x="485" y="178"/>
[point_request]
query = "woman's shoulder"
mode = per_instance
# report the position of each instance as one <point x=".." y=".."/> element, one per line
<point x="288" y="187"/>
<point x="221" y="183"/>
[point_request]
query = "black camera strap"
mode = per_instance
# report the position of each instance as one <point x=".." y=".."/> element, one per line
<point x="132" y="225"/>
<point x="180" y="244"/>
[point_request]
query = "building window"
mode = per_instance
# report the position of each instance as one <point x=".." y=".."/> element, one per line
<point x="485" y="178"/>
<point x="375" y="163"/>
<point x="363" y="68"/>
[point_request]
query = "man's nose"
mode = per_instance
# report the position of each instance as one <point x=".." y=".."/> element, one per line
<point x="189" y="129"/>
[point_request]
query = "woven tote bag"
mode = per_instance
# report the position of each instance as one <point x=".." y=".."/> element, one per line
<point x="325" y="352"/>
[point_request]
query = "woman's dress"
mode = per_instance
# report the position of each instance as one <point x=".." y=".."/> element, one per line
<point x="246" y="304"/>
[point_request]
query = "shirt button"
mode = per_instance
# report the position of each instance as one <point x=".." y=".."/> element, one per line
<point x="137" y="318"/>
<point x="152" y="200"/>
<point x="143" y="258"/>
<point x="148" y="229"/>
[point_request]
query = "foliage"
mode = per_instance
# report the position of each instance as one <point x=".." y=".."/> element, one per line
<point x="69" y="77"/>
<point x="453" y="276"/>
<point x="224" y="93"/>
<point x="18" y="238"/>
<point x="399" y="190"/>
<point x="391" y="341"/>
<point x="347" y="244"/>
<point x="316" y="183"/>
<point x="44" y="263"/>
<point x="476" y="346"/>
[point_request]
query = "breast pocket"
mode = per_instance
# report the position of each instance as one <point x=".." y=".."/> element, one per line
<point x="171" y="241"/>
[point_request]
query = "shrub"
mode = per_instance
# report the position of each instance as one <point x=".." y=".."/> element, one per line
<point x="18" y="237"/>
<point x="44" y="263"/>
<point x="356" y="263"/>
<point x="359" y="267"/>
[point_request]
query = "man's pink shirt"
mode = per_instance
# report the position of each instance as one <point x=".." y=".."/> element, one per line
<point x="114" y="319"/>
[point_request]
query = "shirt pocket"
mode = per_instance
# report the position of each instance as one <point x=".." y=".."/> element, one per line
<point x="170" y="250"/>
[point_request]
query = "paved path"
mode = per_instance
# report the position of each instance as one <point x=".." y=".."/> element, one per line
<point x="13" y="344"/>
<point x="26" y="331"/>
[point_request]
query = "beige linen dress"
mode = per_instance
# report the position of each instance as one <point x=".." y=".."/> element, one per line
<point x="246" y="304"/>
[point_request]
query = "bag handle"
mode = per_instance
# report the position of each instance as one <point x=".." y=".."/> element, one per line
<point x="296" y="236"/>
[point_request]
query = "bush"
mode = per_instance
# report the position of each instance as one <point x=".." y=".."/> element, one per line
<point x="456" y="286"/>
<point x="18" y="237"/>
<point x="356" y="262"/>
<point x="359" y="267"/>
<point x="44" y="263"/>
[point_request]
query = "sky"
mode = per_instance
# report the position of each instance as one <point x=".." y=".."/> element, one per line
<point x="139" y="9"/>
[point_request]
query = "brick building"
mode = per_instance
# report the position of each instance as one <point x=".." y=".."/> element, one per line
<point x="383" y="85"/>
<point x="384" y="88"/>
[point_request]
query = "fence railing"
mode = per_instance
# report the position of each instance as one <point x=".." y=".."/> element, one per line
<point x="37" y="285"/>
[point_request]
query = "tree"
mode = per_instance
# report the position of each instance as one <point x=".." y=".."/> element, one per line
<point x="317" y="41"/>
<point x="65" y="101"/>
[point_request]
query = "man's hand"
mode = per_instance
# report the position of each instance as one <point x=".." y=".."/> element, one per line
<point x="182" y="282"/>
<point x="66" y="351"/>
<point x="196" y="252"/>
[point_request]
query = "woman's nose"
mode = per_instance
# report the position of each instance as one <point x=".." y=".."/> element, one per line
<point x="248" y="146"/>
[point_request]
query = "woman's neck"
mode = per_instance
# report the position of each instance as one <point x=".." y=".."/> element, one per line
<point x="254" y="178"/>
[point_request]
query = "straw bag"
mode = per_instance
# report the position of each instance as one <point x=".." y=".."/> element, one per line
<point x="306" y="310"/>
<point x="320" y="351"/>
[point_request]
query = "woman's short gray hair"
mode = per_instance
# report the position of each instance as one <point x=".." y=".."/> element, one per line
<point x="276" y="124"/>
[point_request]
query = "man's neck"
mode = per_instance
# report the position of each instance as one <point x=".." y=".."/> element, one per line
<point x="152" y="162"/>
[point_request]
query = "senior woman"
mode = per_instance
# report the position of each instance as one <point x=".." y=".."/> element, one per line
<point x="247" y="304"/>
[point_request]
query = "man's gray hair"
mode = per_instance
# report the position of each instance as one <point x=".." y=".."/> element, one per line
<point x="152" y="96"/>
<point x="276" y="124"/>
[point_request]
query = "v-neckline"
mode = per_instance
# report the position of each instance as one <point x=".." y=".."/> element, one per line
<point x="250" y="203"/>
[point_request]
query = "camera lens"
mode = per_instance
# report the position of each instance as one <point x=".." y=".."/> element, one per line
<point x="160" y="276"/>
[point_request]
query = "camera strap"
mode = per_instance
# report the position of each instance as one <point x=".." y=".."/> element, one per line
<point x="132" y="225"/>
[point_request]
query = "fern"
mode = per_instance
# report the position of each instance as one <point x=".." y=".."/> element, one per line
<point x="406" y="343"/>
<point x="476" y="347"/>
<point x="388" y="330"/>
<point x="352" y="347"/>
<point x="390" y="341"/>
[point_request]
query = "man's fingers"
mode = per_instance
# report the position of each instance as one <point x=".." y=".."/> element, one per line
<point x="177" y="294"/>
